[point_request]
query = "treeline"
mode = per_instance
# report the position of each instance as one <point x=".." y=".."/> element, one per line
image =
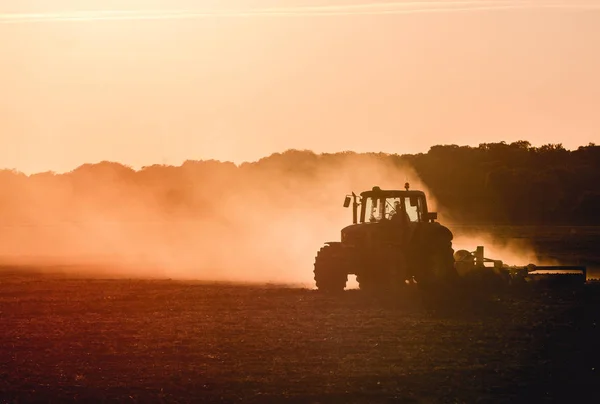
<point x="515" y="183"/>
<point x="501" y="183"/>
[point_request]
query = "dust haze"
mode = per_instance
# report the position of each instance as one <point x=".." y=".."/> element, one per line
<point x="211" y="221"/>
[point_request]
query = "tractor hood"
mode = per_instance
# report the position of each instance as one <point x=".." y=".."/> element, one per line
<point x="361" y="233"/>
<point x="357" y="233"/>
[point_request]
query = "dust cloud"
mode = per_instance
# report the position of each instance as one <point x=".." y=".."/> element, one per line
<point x="210" y="221"/>
<point x="261" y="222"/>
<point x="498" y="246"/>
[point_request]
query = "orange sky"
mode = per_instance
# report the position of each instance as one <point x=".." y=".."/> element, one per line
<point x="239" y="88"/>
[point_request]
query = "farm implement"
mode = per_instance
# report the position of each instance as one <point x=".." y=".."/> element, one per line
<point x="476" y="264"/>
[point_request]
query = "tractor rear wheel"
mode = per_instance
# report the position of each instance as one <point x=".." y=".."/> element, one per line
<point x="442" y="262"/>
<point x="330" y="274"/>
<point x="439" y="264"/>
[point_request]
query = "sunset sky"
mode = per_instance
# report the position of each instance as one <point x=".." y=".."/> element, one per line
<point x="231" y="80"/>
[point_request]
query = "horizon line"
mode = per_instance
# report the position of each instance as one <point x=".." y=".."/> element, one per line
<point x="318" y="153"/>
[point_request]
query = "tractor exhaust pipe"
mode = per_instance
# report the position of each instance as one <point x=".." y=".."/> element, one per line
<point x="354" y="206"/>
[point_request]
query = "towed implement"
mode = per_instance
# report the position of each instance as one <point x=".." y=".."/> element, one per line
<point x="473" y="265"/>
<point x="395" y="241"/>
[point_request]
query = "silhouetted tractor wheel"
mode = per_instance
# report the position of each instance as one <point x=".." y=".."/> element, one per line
<point x="330" y="274"/>
<point x="442" y="262"/>
<point x="439" y="268"/>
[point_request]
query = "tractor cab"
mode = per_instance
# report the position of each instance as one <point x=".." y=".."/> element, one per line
<point x="379" y="205"/>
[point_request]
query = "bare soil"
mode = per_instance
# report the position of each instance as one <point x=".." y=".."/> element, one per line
<point x="100" y="340"/>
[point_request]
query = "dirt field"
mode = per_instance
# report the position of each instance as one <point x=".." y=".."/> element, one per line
<point x="67" y="339"/>
<point x="89" y="340"/>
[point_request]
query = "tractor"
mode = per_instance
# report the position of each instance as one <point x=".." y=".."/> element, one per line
<point x="393" y="241"/>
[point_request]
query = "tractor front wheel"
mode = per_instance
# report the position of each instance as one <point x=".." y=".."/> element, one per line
<point x="330" y="273"/>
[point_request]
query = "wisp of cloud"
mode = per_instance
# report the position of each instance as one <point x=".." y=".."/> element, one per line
<point x="365" y="9"/>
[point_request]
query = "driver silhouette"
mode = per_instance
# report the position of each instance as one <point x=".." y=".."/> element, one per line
<point x="400" y="216"/>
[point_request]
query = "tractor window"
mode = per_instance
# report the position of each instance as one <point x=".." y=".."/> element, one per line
<point x="393" y="205"/>
<point x="374" y="209"/>
<point x="414" y="212"/>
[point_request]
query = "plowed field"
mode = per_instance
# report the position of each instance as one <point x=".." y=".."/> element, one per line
<point x="65" y="339"/>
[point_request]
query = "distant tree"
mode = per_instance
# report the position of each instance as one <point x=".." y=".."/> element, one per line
<point x="521" y="145"/>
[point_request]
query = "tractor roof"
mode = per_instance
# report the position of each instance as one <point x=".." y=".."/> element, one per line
<point x="390" y="193"/>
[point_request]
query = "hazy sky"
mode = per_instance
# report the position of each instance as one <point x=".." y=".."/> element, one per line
<point x="239" y="87"/>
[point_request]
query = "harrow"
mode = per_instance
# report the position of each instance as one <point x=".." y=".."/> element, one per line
<point x="469" y="264"/>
